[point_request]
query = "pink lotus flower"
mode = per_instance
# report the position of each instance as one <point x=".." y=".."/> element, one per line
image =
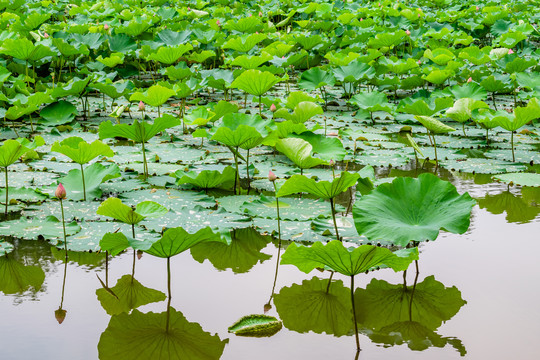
<point x="361" y="19"/>
<point x="477" y="8"/>
<point x="60" y="192"/>
<point x="45" y="35"/>
<point x="419" y="62"/>
<point x="188" y="9"/>
<point x="106" y="27"/>
<point x="332" y="163"/>
<point x="408" y="32"/>
<point x="273" y="108"/>
<point x="141" y="106"/>
<point x="469" y="80"/>
<point x="271" y="176"/>
<point x="260" y="13"/>
<point x="218" y="23"/>
<point x="510" y="51"/>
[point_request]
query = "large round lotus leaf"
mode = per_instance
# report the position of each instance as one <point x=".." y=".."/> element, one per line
<point x="15" y="277"/>
<point x="72" y="210"/>
<point x="146" y="336"/>
<point x="172" y="199"/>
<point x="289" y="208"/>
<point x="33" y="229"/>
<point x="23" y="194"/>
<point x="28" y="178"/>
<point x="522" y="156"/>
<point x="411" y="209"/>
<point x="523" y="179"/>
<point x="116" y="186"/>
<point x="316" y="306"/>
<point x="290" y="230"/>
<point x="5" y="248"/>
<point x="482" y="166"/>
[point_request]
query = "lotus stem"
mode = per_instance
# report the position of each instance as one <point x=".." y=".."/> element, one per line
<point x="64" y="226"/>
<point x="145" y="164"/>
<point x="329" y="281"/>
<point x="83" y="183"/>
<point x="354" y="315"/>
<point x="512" y="144"/>
<point x="493" y="99"/>
<point x="237" y="176"/>
<point x="7" y="189"/>
<point x="260" y="106"/>
<point x="464" y="133"/>
<point x="278" y="219"/>
<point x="169" y="293"/>
<point x="334" y="218"/>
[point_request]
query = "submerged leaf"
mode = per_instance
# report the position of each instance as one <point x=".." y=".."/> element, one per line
<point x="256" y="325"/>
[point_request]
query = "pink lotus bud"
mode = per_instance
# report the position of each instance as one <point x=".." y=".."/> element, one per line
<point x="260" y="13"/>
<point x="510" y="51"/>
<point x="188" y="9"/>
<point x="249" y="15"/>
<point x="477" y="8"/>
<point x="332" y="163"/>
<point x="218" y="23"/>
<point x="408" y="32"/>
<point x="418" y="15"/>
<point x="469" y="80"/>
<point x="106" y="27"/>
<point x="141" y="106"/>
<point x="273" y="108"/>
<point x="60" y="192"/>
<point x="45" y="35"/>
<point x="271" y="176"/>
<point x="361" y="19"/>
<point x="283" y="57"/>
<point x="419" y="62"/>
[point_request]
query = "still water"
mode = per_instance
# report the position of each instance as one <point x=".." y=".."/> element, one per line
<point x="493" y="267"/>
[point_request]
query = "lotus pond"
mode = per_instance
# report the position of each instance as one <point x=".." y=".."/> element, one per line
<point x="270" y="179"/>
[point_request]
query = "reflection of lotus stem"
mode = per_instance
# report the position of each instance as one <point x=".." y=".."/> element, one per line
<point x="83" y="183"/>
<point x="64" y="226"/>
<point x="134" y="253"/>
<point x="334" y="217"/>
<point x="237" y="175"/>
<point x="354" y="315"/>
<point x="7" y="188"/>
<point x="145" y="164"/>
<point x="169" y="293"/>
<point x="278" y="219"/>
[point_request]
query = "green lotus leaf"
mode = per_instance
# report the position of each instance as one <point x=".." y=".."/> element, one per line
<point x="80" y="151"/>
<point x="283" y="130"/>
<point x="303" y="111"/>
<point x="438" y="77"/>
<point x="169" y="55"/>
<point x="94" y="176"/>
<point x="299" y="152"/>
<point x="114" y="243"/>
<point x="256" y="326"/>
<point x="34" y="229"/>
<point x="434" y="125"/>
<point x="129" y="294"/>
<point x="111" y="61"/>
<point x="326" y="148"/>
<point x="155" y="95"/>
<point x="6" y="248"/>
<point x="15" y="277"/>
<point x="425" y="107"/>
<point x="12" y="150"/>
<point x="463" y="108"/>
<point x="241" y="130"/>
<point x="177" y="240"/>
<point x="354" y="72"/>
<point x="316" y="78"/>
<point x="208" y="179"/>
<point x="322" y="189"/>
<point x="244" y="43"/>
<point x="522" y="115"/>
<point x="255" y="82"/>
<point x="372" y="101"/>
<point x="74" y="87"/>
<point x="242" y="254"/>
<point x="251" y="62"/>
<point x="122" y="43"/>
<point x="440" y="56"/>
<point x="411" y="209"/>
<point x="522" y="179"/>
<point x="113" y="207"/>
<point x="172" y="38"/>
<point x="475" y="55"/>
<point x="164" y="336"/>
<point x="349" y="262"/>
<point x="316" y="306"/>
<point x="139" y="131"/>
<point x="468" y="90"/>
<point x="510" y="39"/>
<point x="496" y="83"/>
<point x="24" y="49"/>
<point x="58" y="113"/>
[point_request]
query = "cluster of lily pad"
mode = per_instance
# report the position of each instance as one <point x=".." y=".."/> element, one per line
<point x="123" y="98"/>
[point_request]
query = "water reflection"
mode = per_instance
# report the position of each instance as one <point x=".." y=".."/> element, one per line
<point x="394" y="314"/>
<point x="242" y="254"/>
<point x="519" y="209"/>
<point x="60" y="313"/>
<point x="17" y="278"/>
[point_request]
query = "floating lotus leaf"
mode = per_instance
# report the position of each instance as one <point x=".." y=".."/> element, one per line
<point x="130" y="294"/>
<point x="411" y="209"/>
<point x="316" y="306"/>
<point x="58" y="113"/>
<point x="5" y="248"/>
<point x="94" y="176"/>
<point x="163" y="336"/>
<point x="350" y="262"/>
<point x="171" y="199"/>
<point x="256" y="326"/>
<point x="208" y="179"/>
<point x="522" y="179"/>
<point x="34" y="229"/>
<point x="138" y="131"/>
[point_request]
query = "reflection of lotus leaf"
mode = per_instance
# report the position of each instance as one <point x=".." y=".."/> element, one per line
<point x="516" y="208"/>
<point x="309" y="307"/>
<point x="395" y="313"/>
<point x="145" y="337"/>
<point x="130" y="295"/>
<point x="16" y="277"/>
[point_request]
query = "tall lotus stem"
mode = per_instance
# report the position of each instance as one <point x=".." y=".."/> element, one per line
<point x="7" y="188"/>
<point x="83" y="183"/>
<point x="512" y="144"/>
<point x="334" y="218"/>
<point x="354" y="315"/>
<point x="60" y="193"/>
